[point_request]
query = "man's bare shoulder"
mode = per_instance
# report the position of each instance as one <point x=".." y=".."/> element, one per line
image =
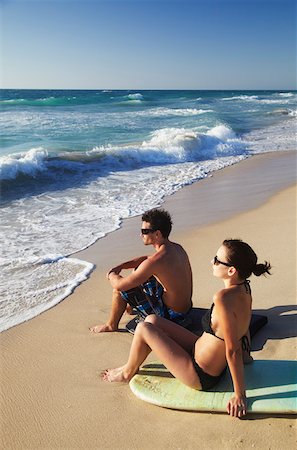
<point x="176" y="249"/>
<point x="168" y="251"/>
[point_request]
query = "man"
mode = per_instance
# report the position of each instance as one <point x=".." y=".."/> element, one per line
<point x="160" y="284"/>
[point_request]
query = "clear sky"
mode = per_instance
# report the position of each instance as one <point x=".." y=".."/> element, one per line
<point x="148" y="44"/>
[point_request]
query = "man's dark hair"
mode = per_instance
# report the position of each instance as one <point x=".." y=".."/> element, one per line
<point x="159" y="219"/>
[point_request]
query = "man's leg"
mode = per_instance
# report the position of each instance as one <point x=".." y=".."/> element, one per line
<point x="118" y="306"/>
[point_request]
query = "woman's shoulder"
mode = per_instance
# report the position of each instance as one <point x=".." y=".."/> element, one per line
<point x="222" y="298"/>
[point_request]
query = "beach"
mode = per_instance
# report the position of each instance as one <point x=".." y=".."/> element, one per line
<point x="81" y="162"/>
<point x="52" y="396"/>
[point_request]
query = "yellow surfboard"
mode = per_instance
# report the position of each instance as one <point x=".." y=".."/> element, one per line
<point x="271" y="387"/>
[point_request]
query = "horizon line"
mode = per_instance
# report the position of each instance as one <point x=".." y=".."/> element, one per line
<point x="147" y="89"/>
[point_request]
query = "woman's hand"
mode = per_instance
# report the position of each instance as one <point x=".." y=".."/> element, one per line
<point x="236" y="406"/>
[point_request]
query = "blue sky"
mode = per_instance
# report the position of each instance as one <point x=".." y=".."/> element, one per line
<point x="148" y="44"/>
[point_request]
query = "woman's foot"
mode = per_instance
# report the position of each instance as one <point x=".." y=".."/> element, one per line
<point x="118" y="374"/>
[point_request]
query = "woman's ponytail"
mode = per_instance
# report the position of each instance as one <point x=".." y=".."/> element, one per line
<point x="262" y="269"/>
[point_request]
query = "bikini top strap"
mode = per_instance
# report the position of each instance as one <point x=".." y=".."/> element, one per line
<point x="247" y="286"/>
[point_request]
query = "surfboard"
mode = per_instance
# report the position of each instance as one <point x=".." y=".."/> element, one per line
<point x="271" y="387"/>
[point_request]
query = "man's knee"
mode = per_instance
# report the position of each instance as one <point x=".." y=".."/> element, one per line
<point x="152" y="318"/>
<point x="117" y="295"/>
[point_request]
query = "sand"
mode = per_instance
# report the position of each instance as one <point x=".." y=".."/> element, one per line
<point x="51" y="393"/>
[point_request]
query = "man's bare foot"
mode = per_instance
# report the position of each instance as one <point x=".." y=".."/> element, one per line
<point x="117" y="374"/>
<point x="102" y="328"/>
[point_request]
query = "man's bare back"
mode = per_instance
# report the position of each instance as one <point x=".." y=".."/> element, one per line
<point x="172" y="269"/>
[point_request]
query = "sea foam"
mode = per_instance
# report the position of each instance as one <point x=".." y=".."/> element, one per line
<point x="165" y="146"/>
<point x="51" y="281"/>
<point x="29" y="164"/>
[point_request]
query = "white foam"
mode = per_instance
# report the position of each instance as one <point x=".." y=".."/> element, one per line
<point x="277" y="137"/>
<point x="255" y="98"/>
<point x="293" y="113"/>
<point x="34" y="300"/>
<point x="273" y="101"/>
<point x="222" y="132"/>
<point x="172" y="145"/>
<point x="29" y="163"/>
<point x="135" y="96"/>
<point x="159" y="112"/>
<point x="242" y="97"/>
<point x="286" y="94"/>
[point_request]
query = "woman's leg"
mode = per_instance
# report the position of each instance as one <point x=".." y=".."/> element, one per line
<point x="185" y="338"/>
<point x="149" y="337"/>
<point x="139" y="351"/>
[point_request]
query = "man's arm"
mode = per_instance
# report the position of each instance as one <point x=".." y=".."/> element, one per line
<point x="132" y="264"/>
<point x="143" y="272"/>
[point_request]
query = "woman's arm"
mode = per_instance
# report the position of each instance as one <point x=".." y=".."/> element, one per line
<point x="237" y="404"/>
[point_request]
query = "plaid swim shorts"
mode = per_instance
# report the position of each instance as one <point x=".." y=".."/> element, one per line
<point x="147" y="299"/>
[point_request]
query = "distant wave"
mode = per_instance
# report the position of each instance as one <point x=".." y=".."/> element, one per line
<point x="131" y="99"/>
<point x="273" y="101"/>
<point x="286" y="94"/>
<point x="177" y="112"/>
<point x="283" y="98"/>
<point x="242" y="97"/>
<point x="136" y="96"/>
<point x="165" y="146"/>
<point x="284" y="112"/>
<point x="47" y="101"/>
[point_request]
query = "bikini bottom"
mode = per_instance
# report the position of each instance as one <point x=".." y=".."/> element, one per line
<point x="207" y="381"/>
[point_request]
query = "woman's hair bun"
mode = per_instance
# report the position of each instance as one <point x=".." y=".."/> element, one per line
<point x="261" y="269"/>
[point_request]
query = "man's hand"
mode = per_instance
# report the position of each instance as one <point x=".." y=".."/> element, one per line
<point x="115" y="270"/>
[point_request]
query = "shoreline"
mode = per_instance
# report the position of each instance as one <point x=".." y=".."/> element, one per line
<point x="51" y="389"/>
<point x="218" y="197"/>
<point x="204" y="202"/>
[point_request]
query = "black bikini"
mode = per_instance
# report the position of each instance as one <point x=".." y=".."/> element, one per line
<point x="208" y="381"/>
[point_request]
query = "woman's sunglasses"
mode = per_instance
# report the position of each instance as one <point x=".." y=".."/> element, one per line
<point x="216" y="261"/>
<point x="147" y="230"/>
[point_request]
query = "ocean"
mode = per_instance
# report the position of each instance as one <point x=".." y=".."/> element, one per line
<point x="74" y="164"/>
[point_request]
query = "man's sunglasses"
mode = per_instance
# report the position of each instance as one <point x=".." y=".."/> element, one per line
<point x="147" y="230"/>
<point x="216" y="261"/>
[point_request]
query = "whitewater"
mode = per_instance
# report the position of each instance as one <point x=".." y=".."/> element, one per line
<point x="74" y="164"/>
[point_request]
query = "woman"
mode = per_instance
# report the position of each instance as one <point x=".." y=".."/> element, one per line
<point x="201" y="362"/>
